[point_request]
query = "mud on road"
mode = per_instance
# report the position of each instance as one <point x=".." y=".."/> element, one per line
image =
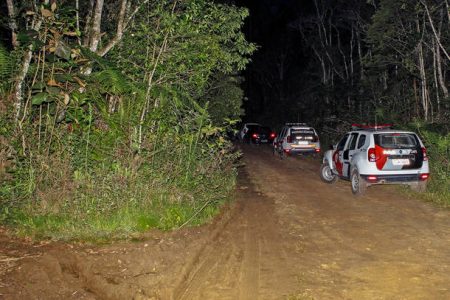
<point x="287" y="236"/>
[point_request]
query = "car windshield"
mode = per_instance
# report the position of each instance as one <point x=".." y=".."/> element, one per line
<point x="303" y="134"/>
<point x="396" y="140"/>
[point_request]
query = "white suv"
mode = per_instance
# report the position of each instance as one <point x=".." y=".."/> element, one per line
<point x="370" y="155"/>
<point x="296" y="138"/>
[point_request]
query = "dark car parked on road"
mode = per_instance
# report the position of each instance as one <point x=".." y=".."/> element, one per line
<point x="260" y="135"/>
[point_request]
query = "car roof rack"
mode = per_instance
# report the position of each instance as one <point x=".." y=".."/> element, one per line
<point x="297" y="124"/>
<point x="373" y="127"/>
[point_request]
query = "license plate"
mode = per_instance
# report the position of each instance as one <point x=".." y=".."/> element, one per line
<point x="302" y="142"/>
<point x="263" y="141"/>
<point x="400" y="162"/>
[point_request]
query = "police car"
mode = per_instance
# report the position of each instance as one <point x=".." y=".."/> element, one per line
<point x="370" y="155"/>
<point x="296" y="138"/>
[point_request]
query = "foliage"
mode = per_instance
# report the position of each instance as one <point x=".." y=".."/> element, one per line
<point x="107" y="146"/>
<point x="5" y="64"/>
<point x="437" y="141"/>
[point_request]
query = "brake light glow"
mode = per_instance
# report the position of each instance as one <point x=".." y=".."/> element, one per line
<point x="372" y="178"/>
<point x="424" y="176"/>
<point x="272" y="135"/>
<point x="255" y="136"/>
<point x="317" y="150"/>
<point x="424" y="151"/>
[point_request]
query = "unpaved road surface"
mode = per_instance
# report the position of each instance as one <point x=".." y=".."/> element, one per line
<point x="287" y="236"/>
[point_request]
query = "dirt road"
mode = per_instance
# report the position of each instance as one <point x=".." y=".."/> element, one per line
<point x="288" y="236"/>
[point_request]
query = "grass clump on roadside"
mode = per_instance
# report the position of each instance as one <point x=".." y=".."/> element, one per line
<point x="437" y="141"/>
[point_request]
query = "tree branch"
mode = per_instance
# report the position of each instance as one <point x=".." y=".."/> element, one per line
<point x="119" y="30"/>
<point x="438" y="40"/>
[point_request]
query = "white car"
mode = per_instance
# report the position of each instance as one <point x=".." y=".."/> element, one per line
<point x="296" y="138"/>
<point x="370" y="155"/>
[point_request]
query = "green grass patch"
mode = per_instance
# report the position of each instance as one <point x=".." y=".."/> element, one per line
<point x="121" y="223"/>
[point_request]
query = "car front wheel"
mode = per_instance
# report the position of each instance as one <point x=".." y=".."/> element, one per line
<point x="327" y="175"/>
<point x="359" y="185"/>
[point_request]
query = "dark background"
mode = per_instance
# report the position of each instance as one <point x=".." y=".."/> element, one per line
<point x="273" y="80"/>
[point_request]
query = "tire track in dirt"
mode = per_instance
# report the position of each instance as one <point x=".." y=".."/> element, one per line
<point x="384" y="245"/>
<point x="287" y="236"/>
<point x="247" y="261"/>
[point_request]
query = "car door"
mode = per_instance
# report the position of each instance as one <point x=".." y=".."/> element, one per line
<point x="281" y="138"/>
<point x="338" y="154"/>
<point x="349" y="150"/>
<point x="278" y="140"/>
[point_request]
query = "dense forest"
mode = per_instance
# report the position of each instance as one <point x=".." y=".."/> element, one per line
<point x="334" y="63"/>
<point x="116" y="115"/>
<point x="352" y="59"/>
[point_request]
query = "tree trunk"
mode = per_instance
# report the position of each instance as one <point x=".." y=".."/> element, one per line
<point x="423" y="81"/>
<point x="96" y="26"/>
<point x="12" y="22"/>
<point x="436" y="84"/>
<point x="437" y="52"/>
<point x="17" y="89"/>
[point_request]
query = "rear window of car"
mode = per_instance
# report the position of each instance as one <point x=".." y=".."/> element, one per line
<point x="303" y="133"/>
<point x="265" y="129"/>
<point x="253" y="126"/>
<point x="396" y="140"/>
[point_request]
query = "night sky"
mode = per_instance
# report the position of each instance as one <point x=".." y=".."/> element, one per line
<point x="278" y="60"/>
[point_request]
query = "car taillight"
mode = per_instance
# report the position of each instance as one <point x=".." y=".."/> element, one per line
<point x="371" y="155"/>
<point x="289" y="139"/>
<point x="255" y="136"/>
<point x="424" y="176"/>
<point x="317" y="150"/>
<point x="372" y="178"/>
<point x="424" y="152"/>
<point x="272" y="135"/>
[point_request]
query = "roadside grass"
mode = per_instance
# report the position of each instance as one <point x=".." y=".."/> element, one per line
<point x="120" y="214"/>
<point x="121" y="224"/>
<point x="437" y="142"/>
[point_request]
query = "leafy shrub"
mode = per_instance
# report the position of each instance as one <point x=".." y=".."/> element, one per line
<point x="438" y="150"/>
<point x="132" y="144"/>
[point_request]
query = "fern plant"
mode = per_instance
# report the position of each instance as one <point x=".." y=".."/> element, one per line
<point x="6" y="66"/>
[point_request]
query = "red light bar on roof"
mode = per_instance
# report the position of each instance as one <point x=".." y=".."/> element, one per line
<point x="371" y="127"/>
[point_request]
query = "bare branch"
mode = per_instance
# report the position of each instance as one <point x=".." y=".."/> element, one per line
<point x="119" y="30"/>
<point x="438" y="40"/>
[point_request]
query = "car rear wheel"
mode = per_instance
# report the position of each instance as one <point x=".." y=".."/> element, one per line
<point x="359" y="185"/>
<point x="327" y="175"/>
<point x="419" y="187"/>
